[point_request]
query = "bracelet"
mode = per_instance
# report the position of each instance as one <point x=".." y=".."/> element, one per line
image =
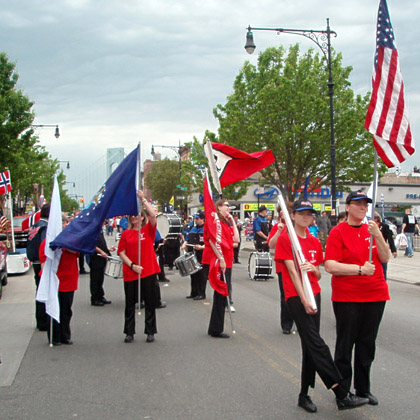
<point x="360" y="270"/>
<point x="131" y="265"/>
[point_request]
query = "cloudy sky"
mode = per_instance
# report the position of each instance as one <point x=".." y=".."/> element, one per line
<point x="112" y="73"/>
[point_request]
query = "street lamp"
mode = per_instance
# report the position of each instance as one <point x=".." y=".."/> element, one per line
<point x="322" y="38"/>
<point x="71" y="182"/>
<point x="57" y="131"/>
<point x="65" y="161"/>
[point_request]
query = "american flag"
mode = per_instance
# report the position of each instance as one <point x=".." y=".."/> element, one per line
<point x="5" y="183"/>
<point x="3" y="222"/>
<point x="387" y="116"/>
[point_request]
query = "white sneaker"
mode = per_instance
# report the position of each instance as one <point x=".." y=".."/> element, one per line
<point x="232" y="309"/>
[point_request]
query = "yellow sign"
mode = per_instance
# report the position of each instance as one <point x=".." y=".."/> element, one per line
<point x="254" y="206"/>
<point x="317" y="207"/>
<point x="327" y="208"/>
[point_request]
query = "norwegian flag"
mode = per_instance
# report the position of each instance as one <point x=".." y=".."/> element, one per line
<point x="31" y="220"/>
<point x="229" y="165"/>
<point x="5" y="183"/>
<point x="387" y="116"/>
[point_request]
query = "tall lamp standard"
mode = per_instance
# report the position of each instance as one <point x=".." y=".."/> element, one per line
<point x="57" y="131"/>
<point x="322" y="38"/>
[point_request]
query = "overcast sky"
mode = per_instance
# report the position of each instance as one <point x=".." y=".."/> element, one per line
<point x="112" y="73"/>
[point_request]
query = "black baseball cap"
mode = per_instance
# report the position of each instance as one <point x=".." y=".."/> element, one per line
<point x="357" y="195"/>
<point x="262" y="208"/>
<point x="200" y="215"/>
<point x="303" y="204"/>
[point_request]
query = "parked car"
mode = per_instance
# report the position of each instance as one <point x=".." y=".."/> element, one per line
<point x="3" y="263"/>
<point x="21" y="236"/>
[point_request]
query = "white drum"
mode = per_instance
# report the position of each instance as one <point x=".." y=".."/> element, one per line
<point x="113" y="267"/>
<point x="259" y="266"/>
<point x="187" y="264"/>
<point x="169" y="225"/>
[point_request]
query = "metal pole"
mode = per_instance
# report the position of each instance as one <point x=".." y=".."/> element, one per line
<point x="139" y="207"/>
<point x="332" y="152"/>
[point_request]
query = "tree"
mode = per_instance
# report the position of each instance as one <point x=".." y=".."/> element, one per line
<point x="282" y="104"/>
<point x="20" y="152"/>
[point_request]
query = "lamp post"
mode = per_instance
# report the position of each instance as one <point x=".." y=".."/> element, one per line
<point x="71" y="182"/>
<point x="65" y="161"/>
<point x="57" y="131"/>
<point x="322" y="38"/>
<point x="177" y="150"/>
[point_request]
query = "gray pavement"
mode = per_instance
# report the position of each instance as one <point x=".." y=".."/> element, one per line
<point x="185" y="374"/>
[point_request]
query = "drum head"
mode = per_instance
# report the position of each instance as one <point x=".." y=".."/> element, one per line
<point x="252" y="265"/>
<point x="162" y="225"/>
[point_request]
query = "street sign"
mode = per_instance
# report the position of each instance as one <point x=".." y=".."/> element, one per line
<point x="180" y="197"/>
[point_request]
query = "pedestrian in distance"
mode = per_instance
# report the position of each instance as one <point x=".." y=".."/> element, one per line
<point x="408" y="229"/>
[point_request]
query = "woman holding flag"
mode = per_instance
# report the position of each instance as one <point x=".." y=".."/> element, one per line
<point x="316" y="356"/>
<point x="147" y="270"/>
<point x="222" y="261"/>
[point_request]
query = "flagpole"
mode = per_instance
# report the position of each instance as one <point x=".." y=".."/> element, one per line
<point x="228" y="305"/>
<point x="11" y="222"/>
<point x="372" y="215"/>
<point x="140" y="207"/>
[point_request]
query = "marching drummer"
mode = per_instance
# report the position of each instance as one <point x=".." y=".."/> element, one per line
<point x="195" y="243"/>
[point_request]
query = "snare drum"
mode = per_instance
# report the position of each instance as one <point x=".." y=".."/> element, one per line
<point x="169" y="225"/>
<point x="187" y="264"/>
<point x="259" y="266"/>
<point x="113" y="267"/>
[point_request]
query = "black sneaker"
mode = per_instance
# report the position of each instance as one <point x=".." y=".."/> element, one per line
<point x="372" y="399"/>
<point x="351" y="401"/>
<point x="306" y="403"/>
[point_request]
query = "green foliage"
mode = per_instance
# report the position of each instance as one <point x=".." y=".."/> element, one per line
<point x="20" y="152"/>
<point x="282" y="104"/>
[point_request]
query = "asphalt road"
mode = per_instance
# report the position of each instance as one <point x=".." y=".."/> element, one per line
<point x="186" y="374"/>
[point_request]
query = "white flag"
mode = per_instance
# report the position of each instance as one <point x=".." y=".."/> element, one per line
<point x="48" y="285"/>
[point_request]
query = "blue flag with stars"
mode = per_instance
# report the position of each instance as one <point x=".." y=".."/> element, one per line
<point x="117" y="197"/>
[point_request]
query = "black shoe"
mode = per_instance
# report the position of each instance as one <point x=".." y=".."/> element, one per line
<point x="43" y="328"/>
<point x="164" y="280"/>
<point x="56" y="343"/>
<point x="199" y="297"/>
<point x="68" y="342"/>
<point x="83" y="272"/>
<point x="97" y="303"/>
<point x="351" y="401"/>
<point x="220" y="335"/>
<point x="128" y="338"/>
<point x="106" y="301"/>
<point x="286" y="331"/>
<point x="189" y="297"/>
<point x="372" y="399"/>
<point x="150" y="338"/>
<point x="306" y="403"/>
<point x="162" y="305"/>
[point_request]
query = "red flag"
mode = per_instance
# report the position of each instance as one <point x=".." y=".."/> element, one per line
<point x="214" y="231"/>
<point x="387" y="116"/>
<point x="31" y="220"/>
<point x="5" y="183"/>
<point x="233" y="165"/>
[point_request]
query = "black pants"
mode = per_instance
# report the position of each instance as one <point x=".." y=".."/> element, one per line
<point x="149" y="295"/>
<point x="217" y="318"/>
<point x="286" y="320"/>
<point x="204" y="278"/>
<point x="357" y="326"/>
<point x="316" y="355"/>
<point x="97" y="276"/>
<point x="236" y="253"/>
<point x="61" y="330"/>
<point x="161" y="256"/>
<point x="42" y="319"/>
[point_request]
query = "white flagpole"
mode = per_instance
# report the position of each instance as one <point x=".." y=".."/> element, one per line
<point x="139" y="207"/>
<point x="375" y="183"/>
<point x="208" y="149"/>
<point x="11" y="221"/>
<point x="307" y="289"/>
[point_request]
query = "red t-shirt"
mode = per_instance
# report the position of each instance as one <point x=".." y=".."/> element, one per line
<point x="312" y="250"/>
<point x="129" y="242"/>
<point x="350" y="245"/>
<point x="273" y="231"/>
<point x="227" y="244"/>
<point x="68" y="270"/>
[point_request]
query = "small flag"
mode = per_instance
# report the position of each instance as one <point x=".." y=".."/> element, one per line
<point x="5" y="182"/>
<point x="31" y="220"/>
<point x="172" y="201"/>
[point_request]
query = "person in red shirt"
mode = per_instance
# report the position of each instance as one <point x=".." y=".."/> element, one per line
<point x="68" y="276"/>
<point x="128" y="251"/>
<point x="359" y="291"/>
<point x="316" y="356"/>
<point x="230" y="235"/>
